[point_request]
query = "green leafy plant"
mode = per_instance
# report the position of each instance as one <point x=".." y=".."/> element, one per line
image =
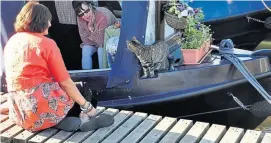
<point x="196" y="33"/>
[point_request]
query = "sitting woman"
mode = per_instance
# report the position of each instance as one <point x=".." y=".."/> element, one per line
<point x="91" y="24"/>
<point x="41" y="93"/>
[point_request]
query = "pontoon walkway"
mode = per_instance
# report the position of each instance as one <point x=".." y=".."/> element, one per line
<point x="130" y="127"/>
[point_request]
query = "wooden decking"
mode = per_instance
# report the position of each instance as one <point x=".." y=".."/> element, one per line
<point x="136" y="127"/>
<point x="130" y="127"/>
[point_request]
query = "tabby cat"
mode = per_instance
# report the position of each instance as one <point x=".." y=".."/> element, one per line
<point x="153" y="58"/>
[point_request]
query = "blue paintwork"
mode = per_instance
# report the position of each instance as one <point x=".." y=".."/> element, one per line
<point x="182" y="93"/>
<point x="125" y="66"/>
<point x="214" y="10"/>
<point x="134" y="23"/>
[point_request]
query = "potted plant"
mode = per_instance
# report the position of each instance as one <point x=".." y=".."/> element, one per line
<point x="176" y="13"/>
<point x="196" y="40"/>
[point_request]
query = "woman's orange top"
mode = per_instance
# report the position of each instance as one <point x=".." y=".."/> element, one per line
<point x="31" y="59"/>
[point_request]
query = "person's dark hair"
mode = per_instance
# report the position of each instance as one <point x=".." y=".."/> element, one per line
<point x="77" y="5"/>
<point x="33" y="17"/>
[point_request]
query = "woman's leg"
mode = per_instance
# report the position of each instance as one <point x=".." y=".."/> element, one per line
<point x="85" y="91"/>
<point x="73" y="121"/>
<point x="69" y="124"/>
<point x="100" y="121"/>
<point x="87" y="52"/>
<point x="100" y="57"/>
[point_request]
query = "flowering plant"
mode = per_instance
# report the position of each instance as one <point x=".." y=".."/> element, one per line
<point x="195" y="33"/>
<point x="183" y="10"/>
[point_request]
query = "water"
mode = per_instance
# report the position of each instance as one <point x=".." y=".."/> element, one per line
<point x="265" y="125"/>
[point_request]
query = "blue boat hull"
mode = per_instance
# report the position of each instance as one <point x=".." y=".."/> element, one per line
<point x="194" y="92"/>
<point x="218" y="10"/>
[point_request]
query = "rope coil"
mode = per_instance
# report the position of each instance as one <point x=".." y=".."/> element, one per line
<point x="226" y="50"/>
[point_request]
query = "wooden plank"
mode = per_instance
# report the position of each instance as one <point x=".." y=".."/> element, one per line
<point x="59" y="137"/>
<point x="126" y="128"/>
<point x="251" y="136"/>
<point x="233" y="135"/>
<point x="4" y="108"/>
<point x="101" y="110"/>
<point x="195" y="133"/>
<point x="6" y="125"/>
<point x="3" y="98"/>
<point x="177" y="132"/>
<point x="63" y="135"/>
<point x="160" y="130"/>
<point x="266" y="138"/>
<point x="137" y="134"/>
<point x="24" y="136"/>
<point x="214" y="134"/>
<point x="81" y="136"/>
<point x="10" y="133"/>
<point x="102" y="133"/>
<point x="43" y="135"/>
<point x="3" y="118"/>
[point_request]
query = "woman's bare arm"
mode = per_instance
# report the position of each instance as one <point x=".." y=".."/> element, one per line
<point x="70" y="88"/>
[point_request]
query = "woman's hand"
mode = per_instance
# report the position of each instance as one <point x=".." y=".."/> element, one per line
<point x="88" y="109"/>
<point x="85" y="116"/>
<point x="92" y="112"/>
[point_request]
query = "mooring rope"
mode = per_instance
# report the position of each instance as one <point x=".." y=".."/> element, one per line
<point x="265" y="5"/>
<point x="226" y="50"/>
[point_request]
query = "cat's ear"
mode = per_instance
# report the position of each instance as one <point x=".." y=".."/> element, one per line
<point x="134" y="38"/>
<point x="127" y="42"/>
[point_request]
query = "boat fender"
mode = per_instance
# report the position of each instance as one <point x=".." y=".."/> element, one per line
<point x="267" y="23"/>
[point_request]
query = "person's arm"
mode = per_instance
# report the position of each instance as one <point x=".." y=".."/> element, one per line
<point x="70" y="88"/>
<point x="98" y="34"/>
<point x="60" y="74"/>
<point x="84" y="34"/>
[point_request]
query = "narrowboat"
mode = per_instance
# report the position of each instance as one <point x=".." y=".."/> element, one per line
<point x="214" y="91"/>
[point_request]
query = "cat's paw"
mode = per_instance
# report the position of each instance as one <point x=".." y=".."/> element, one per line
<point x="172" y="68"/>
<point x="152" y="75"/>
<point x="144" y="76"/>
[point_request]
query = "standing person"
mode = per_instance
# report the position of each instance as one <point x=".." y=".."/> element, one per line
<point x="92" y="23"/>
<point x="41" y="93"/>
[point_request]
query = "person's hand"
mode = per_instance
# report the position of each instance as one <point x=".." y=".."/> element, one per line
<point x="92" y="112"/>
<point x="87" y="110"/>
<point x="117" y="24"/>
<point x="85" y="116"/>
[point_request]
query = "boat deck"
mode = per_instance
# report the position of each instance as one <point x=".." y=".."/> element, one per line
<point x="133" y="127"/>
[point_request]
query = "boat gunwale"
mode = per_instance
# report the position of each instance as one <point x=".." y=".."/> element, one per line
<point x="176" y="95"/>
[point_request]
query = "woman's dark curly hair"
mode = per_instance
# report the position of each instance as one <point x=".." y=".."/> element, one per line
<point x="77" y="5"/>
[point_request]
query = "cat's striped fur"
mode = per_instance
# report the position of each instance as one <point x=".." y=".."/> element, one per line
<point x="153" y="58"/>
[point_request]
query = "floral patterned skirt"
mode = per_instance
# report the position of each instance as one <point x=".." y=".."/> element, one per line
<point x="40" y="107"/>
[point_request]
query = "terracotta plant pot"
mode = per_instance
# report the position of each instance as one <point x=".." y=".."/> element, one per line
<point x="194" y="56"/>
